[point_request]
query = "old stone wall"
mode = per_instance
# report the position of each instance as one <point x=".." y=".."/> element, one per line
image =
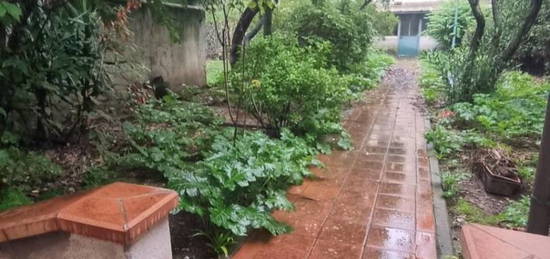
<point x="179" y="62"/>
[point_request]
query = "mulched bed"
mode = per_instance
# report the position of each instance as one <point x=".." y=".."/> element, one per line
<point x="184" y="245"/>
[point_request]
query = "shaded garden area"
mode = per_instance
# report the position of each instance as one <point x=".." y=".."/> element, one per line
<point x="230" y="149"/>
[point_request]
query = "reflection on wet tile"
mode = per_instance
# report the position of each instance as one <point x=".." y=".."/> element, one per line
<point x="368" y="174"/>
<point x="376" y="149"/>
<point x="399" y="177"/>
<point x="376" y="253"/>
<point x="425" y="245"/>
<point x="395" y="202"/>
<point x="391" y="238"/>
<point x="340" y="230"/>
<point x="395" y="166"/>
<point x="404" y="190"/>
<point x="332" y="250"/>
<point x="396" y="158"/>
<point x="393" y="218"/>
<point x="397" y="151"/>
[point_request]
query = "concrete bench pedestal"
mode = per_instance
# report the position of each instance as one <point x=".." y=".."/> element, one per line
<point x="115" y="221"/>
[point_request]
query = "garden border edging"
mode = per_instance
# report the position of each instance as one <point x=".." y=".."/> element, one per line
<point x="442" y="226"/>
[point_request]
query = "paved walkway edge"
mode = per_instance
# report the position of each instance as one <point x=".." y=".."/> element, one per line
<point x="442" y="226"/>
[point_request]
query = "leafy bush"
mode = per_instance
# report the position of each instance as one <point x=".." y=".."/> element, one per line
<point x="350" y="33"/>
<point x="232" y="183"/>
<point x="51" y="70"/>
<point x="22" y="170"/>
<point x="284" y="85"/>
<point x="12" y="197"/>
<point x="239" y="183"/>
<point x="441" y="22"/>
<point x="463" y="78"/>
<point x="168" y="133"/>
<point x="534" y="52"/>
<point x="515" y="109"/>
<point x="517" y="212"/>
<point x="450" y="182"/>
<point x="446" y="142"/>
<point x="431" y="83"/>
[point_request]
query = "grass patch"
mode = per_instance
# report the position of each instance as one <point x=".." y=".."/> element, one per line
<point x="473" y="214"/>
<point x="11" y="197"/>
<point x="214" y="68"/>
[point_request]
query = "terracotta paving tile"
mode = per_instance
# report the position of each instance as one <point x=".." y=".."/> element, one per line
<point x="372" y="252"/>
<point x="404" y="190"/>
<point x="399" y="177"/>
<point x="391" y="238"/>
<point x="394" y="219"/>
<point x="337" y="230"/>
<point x="332" y="250"/>
<point x="321" y="190"/>
<point x="365" y="174"/>
<point x="424" y="173"/>
<point x="395" y="202"/>
<point x="425" y="245"/>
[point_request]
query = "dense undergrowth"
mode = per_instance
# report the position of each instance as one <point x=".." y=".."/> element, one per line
<point x="509" y="119"/>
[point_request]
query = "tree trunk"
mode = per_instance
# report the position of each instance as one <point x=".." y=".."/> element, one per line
<point x="252" y="33"/>
<point x="522" y="32"/>
<point x="240" y="30"/>
<point x="480" y="28"/>
<point x="268" y="22"/>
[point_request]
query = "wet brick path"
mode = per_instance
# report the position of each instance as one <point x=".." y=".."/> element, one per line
<point x="372" y="202"/>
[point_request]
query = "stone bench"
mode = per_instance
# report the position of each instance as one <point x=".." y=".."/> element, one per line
<point x="119" y="220"/>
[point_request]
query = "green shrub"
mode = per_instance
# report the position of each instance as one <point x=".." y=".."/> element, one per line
<point x="517" y="213"/>
<point x="51" y="72"/>
<point x="285" y="86"/>
<point x="350" y="33"/>
<point x="431" y="83"/>
<point x="446" y="142"/>
<point x="463" y="78"/>
<point x="441" y="22"/>
<point x="12" y="197"/>
<point x="450" y="182"/>
<point x="23" y="170"/>
<point x="232" y="183"/>
<point x="515" y="109"/>
<point x="534" y="52"/>
<point x="240" y="182"/>
<point x="169" y="132"/>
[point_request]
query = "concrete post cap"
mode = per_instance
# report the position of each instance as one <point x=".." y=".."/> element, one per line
<point x="118" y="212"/>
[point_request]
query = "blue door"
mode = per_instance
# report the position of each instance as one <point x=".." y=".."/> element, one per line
<point x="409" y="34"/>
<point x="408" y="46"/>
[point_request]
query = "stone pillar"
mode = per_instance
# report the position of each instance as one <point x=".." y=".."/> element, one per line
<point x="115" y="221"/>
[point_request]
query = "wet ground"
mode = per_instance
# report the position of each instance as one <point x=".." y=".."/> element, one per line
<point x="372" y="202"/>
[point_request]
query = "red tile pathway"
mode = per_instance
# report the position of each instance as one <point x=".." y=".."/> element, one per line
<point x="372" y="202"/>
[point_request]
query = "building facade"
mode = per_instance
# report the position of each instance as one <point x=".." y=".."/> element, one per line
<point x="409" y="37"/>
